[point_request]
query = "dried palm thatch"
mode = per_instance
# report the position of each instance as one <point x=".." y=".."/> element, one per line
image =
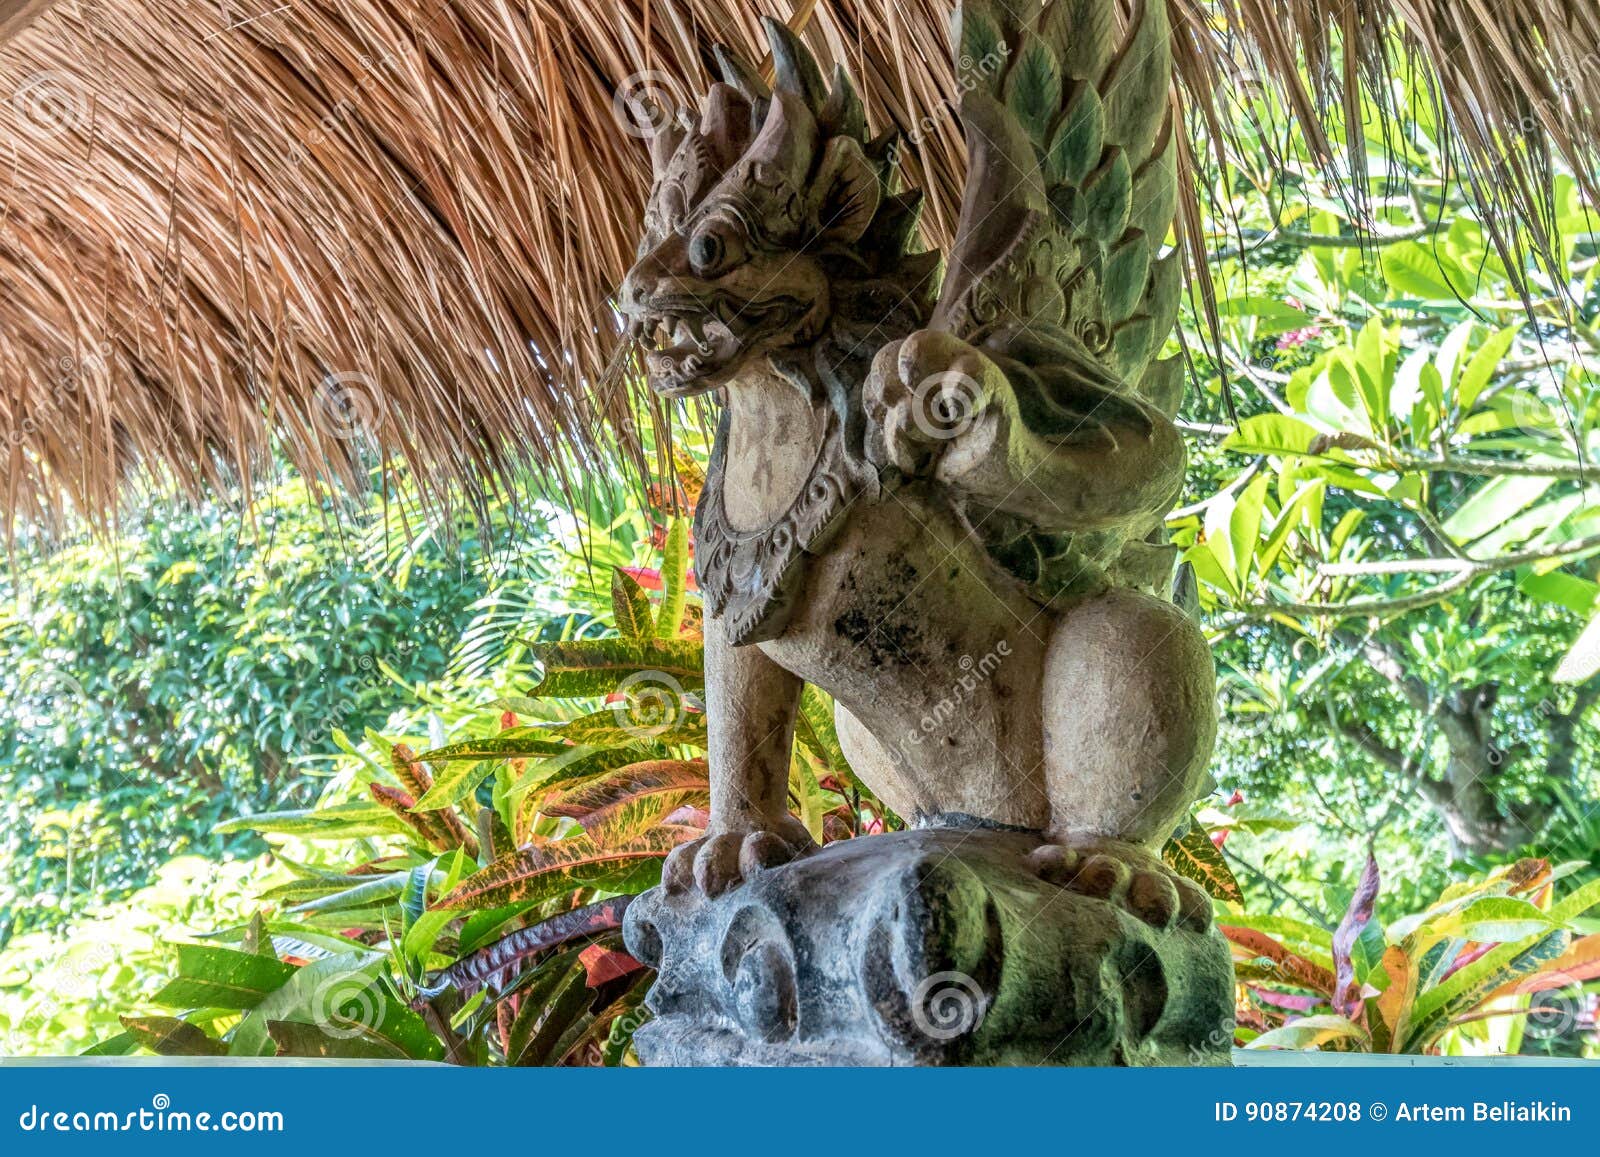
<point x="226" y="223"/>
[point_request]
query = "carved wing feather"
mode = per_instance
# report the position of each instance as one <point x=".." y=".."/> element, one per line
<point x="1071" y="187"/>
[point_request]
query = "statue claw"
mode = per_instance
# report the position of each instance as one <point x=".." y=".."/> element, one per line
<point x="725" y="859"/>
<point x="923" y="394"/>
<point x="1128" y="877"/>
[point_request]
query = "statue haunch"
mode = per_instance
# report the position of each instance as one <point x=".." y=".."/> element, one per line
<point x="940" y="498"/>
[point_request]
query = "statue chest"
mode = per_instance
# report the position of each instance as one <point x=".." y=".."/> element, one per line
<point x="781" y="479"/>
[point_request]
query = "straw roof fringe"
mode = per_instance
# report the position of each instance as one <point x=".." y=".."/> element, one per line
<point x="335" y="222"/>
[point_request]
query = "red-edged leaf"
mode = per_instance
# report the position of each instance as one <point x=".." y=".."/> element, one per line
<point x="1286" y="967"/>
<point x="656" y="776"/>
<point x="1293" y="1001"/>
<point x="603" y="964"/>
<point x="1579" y="964"/>
<point x="538" y="873"/>
<point x="496" y="965"/>
<point x="1347" y="999"/>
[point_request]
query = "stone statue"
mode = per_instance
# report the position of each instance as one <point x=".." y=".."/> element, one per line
<point x="941" y="500"/>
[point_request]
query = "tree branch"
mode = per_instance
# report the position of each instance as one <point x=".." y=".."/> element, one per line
<point x="1479" y="466"/>
<point x="1356" y="608"/>
<point x="1458" y="566"/>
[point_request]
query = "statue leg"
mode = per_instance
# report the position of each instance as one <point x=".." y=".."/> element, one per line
<point x="1129" y="716"/>
<point x="750" y="704"/>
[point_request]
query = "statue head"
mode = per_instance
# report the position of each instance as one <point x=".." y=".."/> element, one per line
<point x="770" y="220"/>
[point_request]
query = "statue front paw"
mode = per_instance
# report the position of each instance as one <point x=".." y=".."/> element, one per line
<point x="923" y="395"/>
<point x="1129" y="877"/>
<point x="729" y="854"/>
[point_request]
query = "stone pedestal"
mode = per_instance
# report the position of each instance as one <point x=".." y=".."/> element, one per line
<point x="926" y="947"/>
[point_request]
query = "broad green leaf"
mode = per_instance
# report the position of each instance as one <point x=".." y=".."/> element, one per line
<point x="1310" y="1032"/>
<point x="1195" y="856"/>
<point x="350" y="1042"/>
<point x="585" y="667"/>
<point x="1578" y="595"/>
<point x="324" y="990"/>
<point x="1480" y="368"/>
<point x="1570" y="907"/>
<point x="343" y="821"/>
<point x="457" y="780"/>
<point x="1493" y="920"/>
<point x="1244" y="528"/>
<point x="538" y="873"/>
<point x="1374" y="374"/>
<point x="1493" y="503"/>
<point x="1305" y="500"/>
<point x="377" y="890"/>
<point x="1415" y="271"/>
<point x="674" y="579"/>
<point x="630" y="606"/>
<point x="168" y="1036"/>
<point x="210" y="977"/>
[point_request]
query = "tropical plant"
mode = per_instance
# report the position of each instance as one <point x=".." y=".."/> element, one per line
<point x="481" y="918"/>
<point x="1463" y="975"/>
<point x="466" y="902"/>
<point x="1394" y="532"/>
<point x="160" y="681"/>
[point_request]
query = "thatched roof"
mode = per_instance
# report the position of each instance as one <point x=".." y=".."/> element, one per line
<point x="228" y="221"/>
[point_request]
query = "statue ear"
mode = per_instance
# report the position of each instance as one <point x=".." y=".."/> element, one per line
<point x="846" y="192"/>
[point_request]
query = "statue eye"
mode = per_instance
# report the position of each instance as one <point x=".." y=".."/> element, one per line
<point x="713" y="249"/>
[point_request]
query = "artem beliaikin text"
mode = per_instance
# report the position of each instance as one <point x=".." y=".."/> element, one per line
<point x="1484" y="1111"/>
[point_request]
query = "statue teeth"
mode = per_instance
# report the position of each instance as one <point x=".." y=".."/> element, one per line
<point x="697" y="331"/>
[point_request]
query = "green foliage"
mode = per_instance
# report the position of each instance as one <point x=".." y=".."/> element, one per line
<point x="1460" y="976"/>
<point x="157" y="686"/>
<point x="466" y="902"/>
<point x="1395" y="544"/>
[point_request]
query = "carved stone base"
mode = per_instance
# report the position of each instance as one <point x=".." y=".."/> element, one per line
<point x="928" y="947"/>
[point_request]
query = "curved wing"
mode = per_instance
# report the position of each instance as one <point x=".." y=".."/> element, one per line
<point x="1071" y="189"/>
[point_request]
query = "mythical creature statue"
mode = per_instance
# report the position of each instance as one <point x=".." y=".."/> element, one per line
<point x="941" y="499"/>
